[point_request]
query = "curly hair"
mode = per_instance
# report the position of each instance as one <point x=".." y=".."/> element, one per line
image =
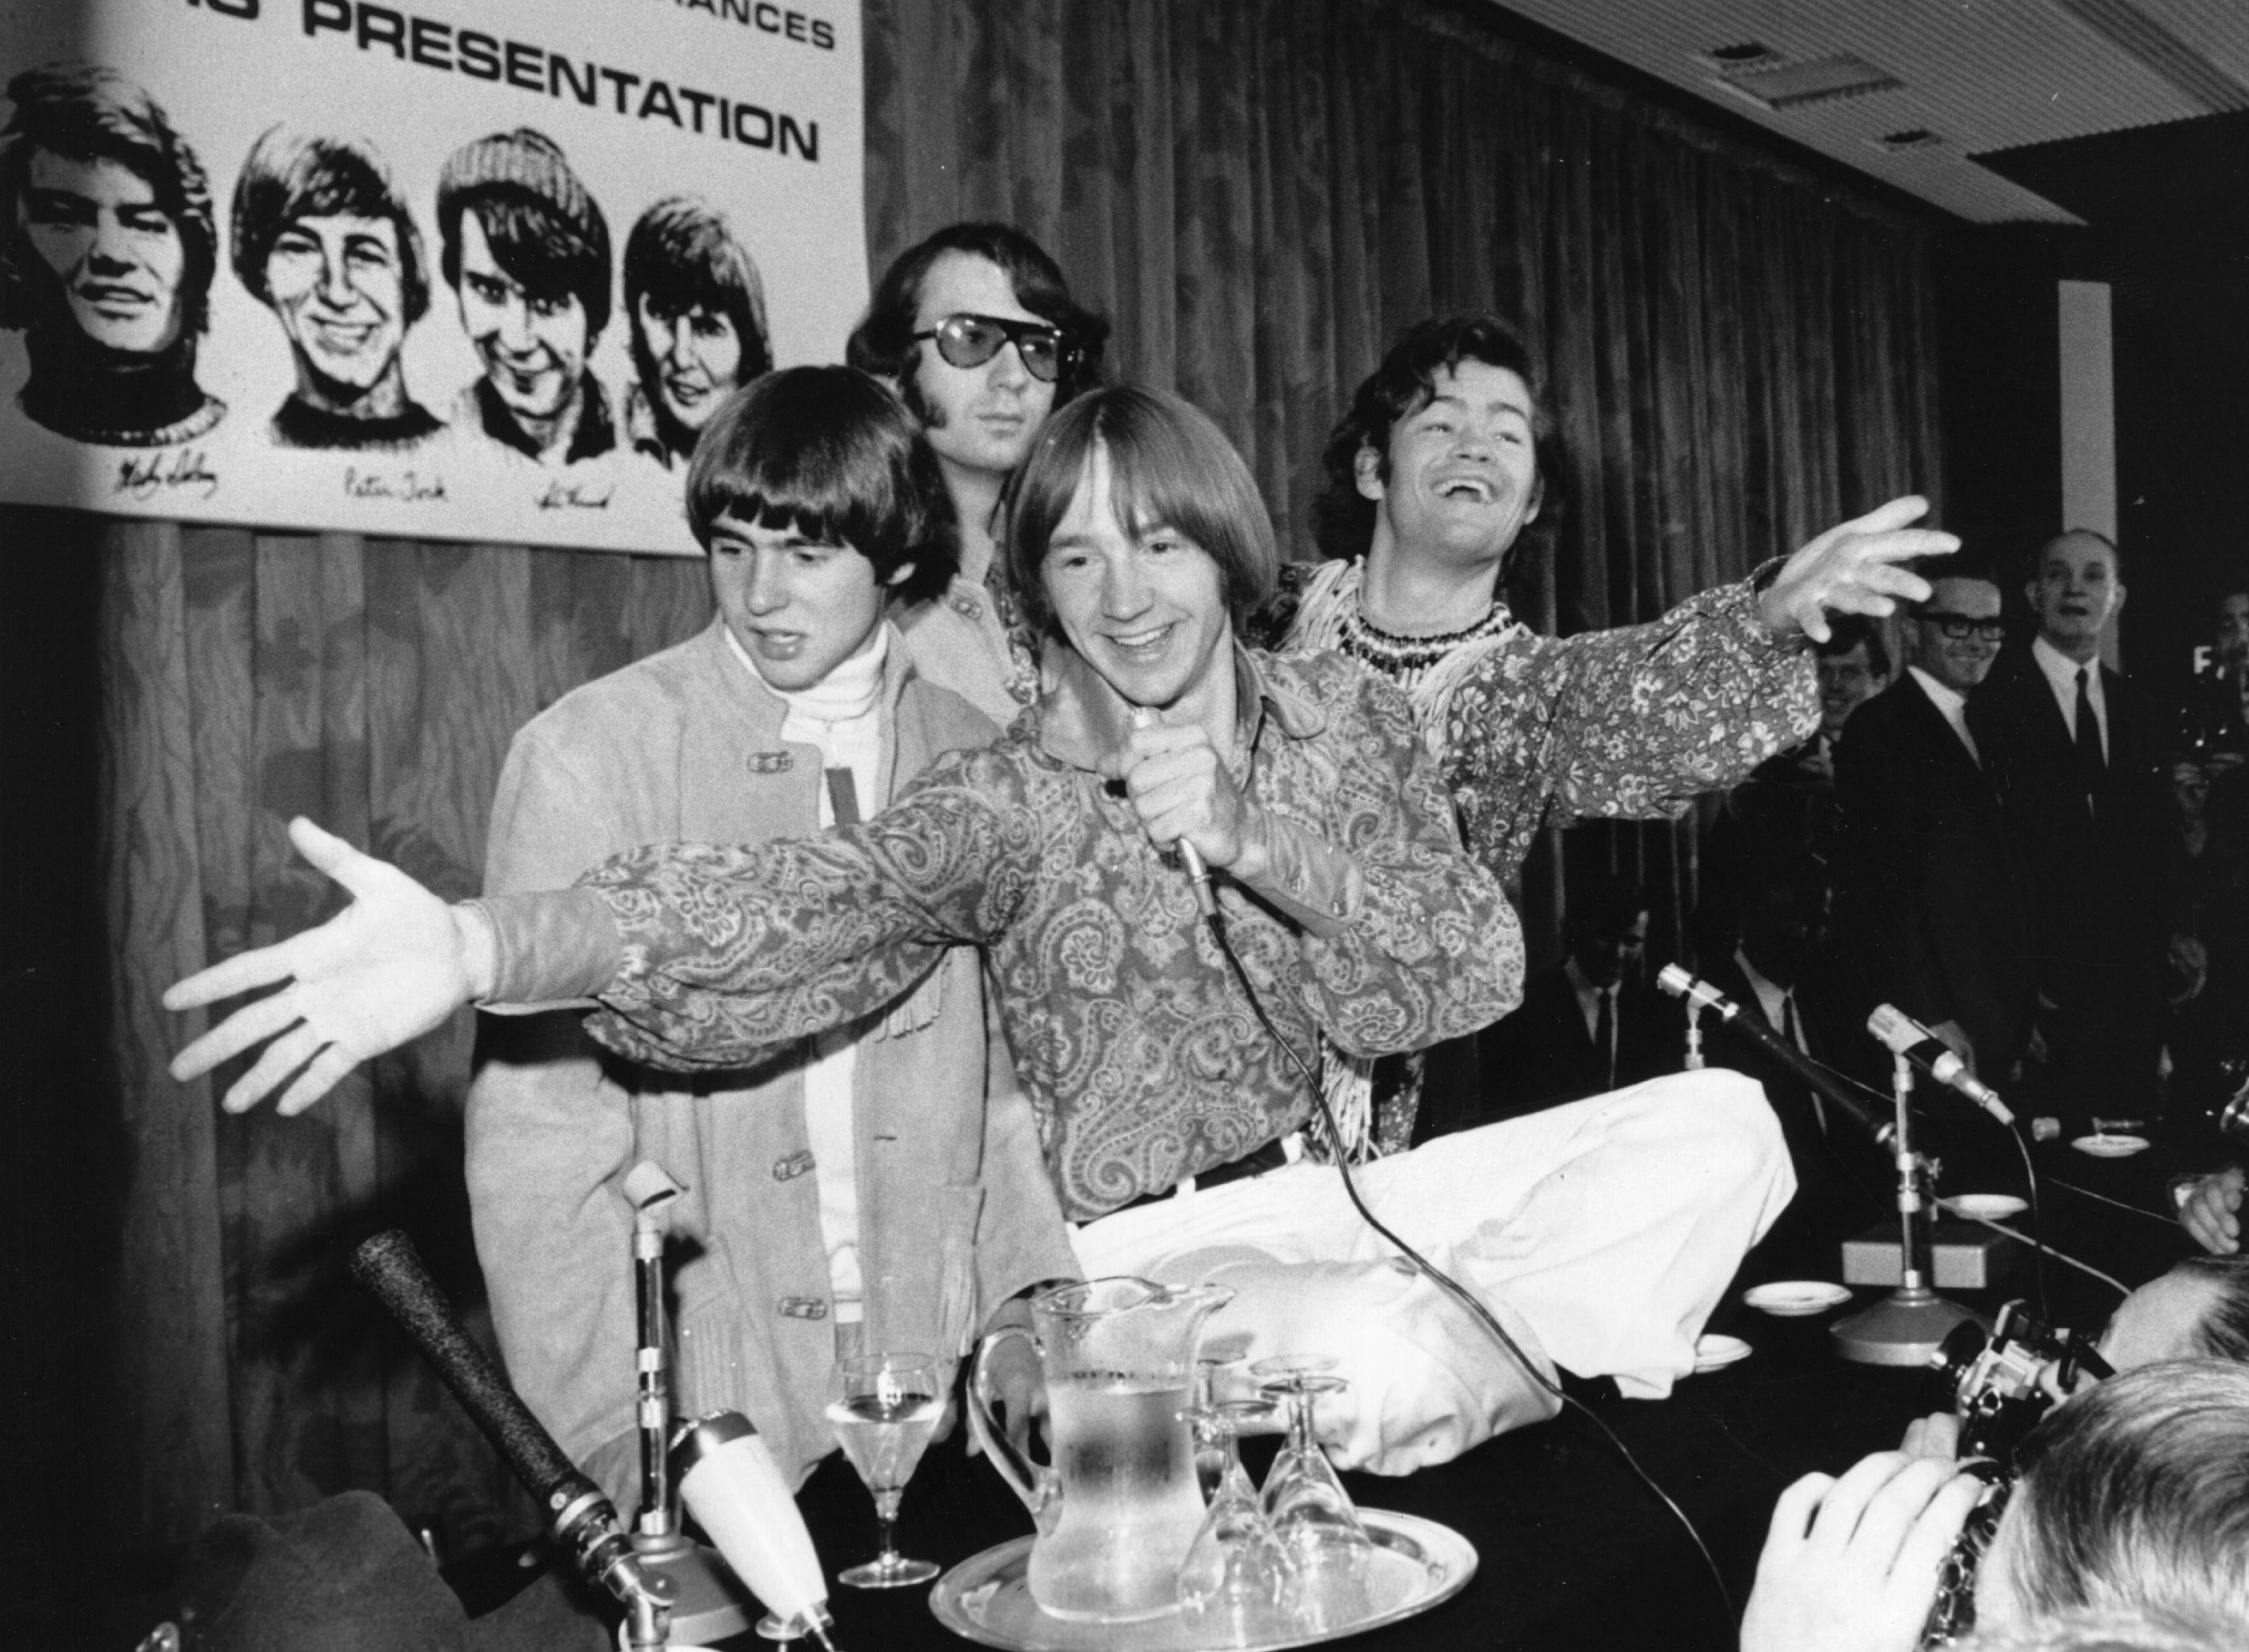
<point x="294" y="175"/>
<point x="831" y="453"/>
<point x="89" y="112"/>
<point x="882" y="343"/>
<point x="1343" y="517"/>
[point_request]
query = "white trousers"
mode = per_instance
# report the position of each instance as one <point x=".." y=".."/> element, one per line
<point x="1600" y="1234"/>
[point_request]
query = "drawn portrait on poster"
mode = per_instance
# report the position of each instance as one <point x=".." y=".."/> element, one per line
<point x="323" y="265"/>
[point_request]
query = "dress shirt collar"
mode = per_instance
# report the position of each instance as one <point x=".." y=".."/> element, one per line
<point x="2061" y="676"/>
<point x="1081" y="719"/>
<point x="1772" y="998"/>
<point x="1951" y="705"/>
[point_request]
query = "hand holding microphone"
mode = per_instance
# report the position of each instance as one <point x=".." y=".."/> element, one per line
<point x="1179" y="786"/>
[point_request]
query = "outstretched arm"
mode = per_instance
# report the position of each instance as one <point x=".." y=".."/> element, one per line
<point x="1635" y="722"/>
<point x="387" y="968"/>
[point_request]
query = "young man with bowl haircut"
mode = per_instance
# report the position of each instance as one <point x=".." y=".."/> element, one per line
<point x="975" y="328"/>
<point x="697" y="307"/>
<point x="877" y="1185"/>
<point x="1603" y="1234"/>
<point x="324" y="240"/>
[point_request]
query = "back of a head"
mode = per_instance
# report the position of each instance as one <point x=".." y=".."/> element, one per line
<point x="1169" y="465"/>
<point x="2104" y="1632"/>
<point x="884" y="344"/>
<point x="2134" y="1497"/>
<point x="831" y="453"/>
<point x="2222" y="1333"/>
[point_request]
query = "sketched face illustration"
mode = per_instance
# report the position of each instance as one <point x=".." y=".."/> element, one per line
<point x="118" y="256"/>
<point x="337" y="282"/>
<point x="533" y="345"/>
<point x="698" y="356"/>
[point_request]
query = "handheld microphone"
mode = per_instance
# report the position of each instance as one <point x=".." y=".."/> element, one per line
<point x="1680" y="984"/>
<point x="1190" y="857"/>
<point x="585" y="1522"/>
<point x="1901" y="1035"/>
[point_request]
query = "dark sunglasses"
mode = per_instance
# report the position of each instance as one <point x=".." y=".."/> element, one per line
<point x="1959" y="626"/>
<point x="968" y="340"/>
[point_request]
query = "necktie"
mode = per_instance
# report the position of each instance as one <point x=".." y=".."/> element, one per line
<point x="1604" y="1036"/>
<point x="2088" y="734"/>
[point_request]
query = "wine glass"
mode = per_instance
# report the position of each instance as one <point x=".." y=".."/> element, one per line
<point x="1312" y="1515"/>
<point x="1238" y="1585"/>
<point x="884" y="1407"/>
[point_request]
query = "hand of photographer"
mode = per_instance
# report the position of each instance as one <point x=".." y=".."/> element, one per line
<point x="1851" y="1564"/>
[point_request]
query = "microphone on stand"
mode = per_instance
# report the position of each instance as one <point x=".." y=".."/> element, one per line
<point x="1901" y="1035"/>
<point x="584" y="1521"/>
<point x="1701" y="994"/>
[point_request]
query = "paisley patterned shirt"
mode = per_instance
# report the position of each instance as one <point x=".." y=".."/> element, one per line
<point x="1631" y="724"/>
<point x="1130" y="1032"/>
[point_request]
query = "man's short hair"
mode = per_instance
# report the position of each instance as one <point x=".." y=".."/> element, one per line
<point x="2135" y="1497"/>
<point x="1169" y="465"/>
<point x="2224" y="1332"/>
<point x="89" y="112"/>
<point x="884" y="344"/>
<point x="1958" y="565"/>
<point x="546" y="232"/>
<point x="833" y="454"/>
<point x="2038" y="556"/>
<point x="1343" y="519"/>
<point x="1599" y="904"/>
<point x="2101" y="1632"/>
<point x="682" y="256"/>
<point x="294" y="175"/>
<point x="1848" y="631"/>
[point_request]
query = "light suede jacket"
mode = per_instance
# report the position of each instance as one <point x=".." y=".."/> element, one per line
<point x="956" y="1211"/>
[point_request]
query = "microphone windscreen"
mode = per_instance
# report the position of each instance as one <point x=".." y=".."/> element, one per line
<point x="389" y="1266"/>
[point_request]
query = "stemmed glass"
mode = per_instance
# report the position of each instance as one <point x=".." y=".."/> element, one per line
<point x="884" y="1407"/>
<point x="1312" y="1515"/>
<point x="1238" y="1585"/>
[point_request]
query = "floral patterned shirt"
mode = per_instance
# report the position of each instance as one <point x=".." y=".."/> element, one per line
<point x="1130" y="1032"/>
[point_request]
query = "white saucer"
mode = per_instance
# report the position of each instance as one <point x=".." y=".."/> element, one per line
<point x="1795" y="1299"/>
<point x="2111" y="1146"/>
<point x="1713" y="1351"/>
<point x="1986" y="1207"/>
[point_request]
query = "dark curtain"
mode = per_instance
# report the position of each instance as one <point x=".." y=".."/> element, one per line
<point x="1258" y="194"/>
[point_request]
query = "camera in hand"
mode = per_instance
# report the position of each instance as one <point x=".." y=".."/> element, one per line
<point x="1997" y="1398"/>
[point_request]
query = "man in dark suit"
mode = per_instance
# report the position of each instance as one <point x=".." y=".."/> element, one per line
<point x="1590" y="1024"/>
<point x="2077" y="747"/>
<point x="1931" y="900"/>
<point x="1770" y="973"/>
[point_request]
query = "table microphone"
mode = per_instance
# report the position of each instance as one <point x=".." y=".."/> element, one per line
<point x="1901" y="1035"/>
<point x="585" y="1522"/>
<point x="733" y="1488"/>
<point x="1680" y="984"/>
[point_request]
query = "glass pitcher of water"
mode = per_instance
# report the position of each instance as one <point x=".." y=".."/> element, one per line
<point x="1119" y="1508"/>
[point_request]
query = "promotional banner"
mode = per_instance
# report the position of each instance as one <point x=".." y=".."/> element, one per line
<point x="473" y="269"/>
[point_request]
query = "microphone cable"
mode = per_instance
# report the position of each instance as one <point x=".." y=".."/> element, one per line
<point x="1451" y="1286"/>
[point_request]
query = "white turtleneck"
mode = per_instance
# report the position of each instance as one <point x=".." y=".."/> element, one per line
<point x="841" y="715"/>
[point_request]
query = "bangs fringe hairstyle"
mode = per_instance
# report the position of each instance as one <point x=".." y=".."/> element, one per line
<point x="1169" y="466"/>
<point x="831" y="454"/>
<point x="292" y="175"/>
<point x="2135" y="1497"/>
<point x="681" y="256"/>
<point x="1343" y="517"/>
<point x="89" y="112"/>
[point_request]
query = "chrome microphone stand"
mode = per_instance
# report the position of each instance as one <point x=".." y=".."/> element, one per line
<point x="1906" y="1326"/>
<point x="708" y="1603"/>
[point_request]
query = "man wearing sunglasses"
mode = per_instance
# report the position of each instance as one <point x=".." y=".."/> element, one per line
<point x="1930" y="901"/>
<point x="976" y="329"/>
